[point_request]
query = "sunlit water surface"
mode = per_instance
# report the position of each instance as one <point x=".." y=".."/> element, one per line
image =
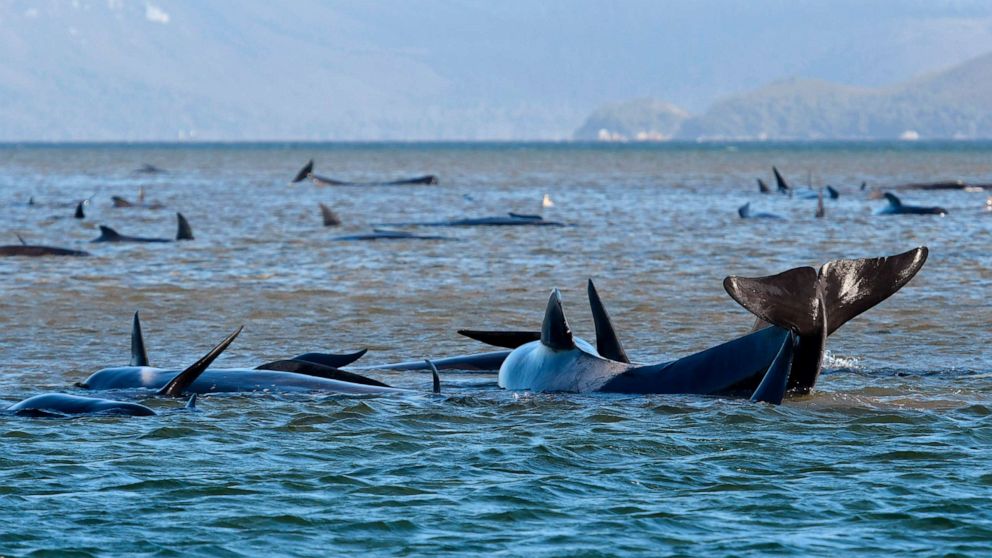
<point x="890" y="455"/>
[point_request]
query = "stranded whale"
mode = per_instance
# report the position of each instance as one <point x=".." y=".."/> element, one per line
<point x="307" y="172"/>
<point x="509" y="220"/>
<point x="36" y="250"/>
<point x="896" y="207"/>
<point x="796" y="312"/>
<point x="183" y="232"/>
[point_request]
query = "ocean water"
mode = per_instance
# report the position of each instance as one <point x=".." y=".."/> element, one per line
<point x="889" y="455"/>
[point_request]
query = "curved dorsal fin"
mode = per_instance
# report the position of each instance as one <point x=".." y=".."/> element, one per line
<point x="762" y="187"/>
<point x="744" y="211"/>
<point x="79" y="210"/>
<point x="184" y="379"/>
<point x="555" y="332"/>
<point x="107" y="234"/>
<point x="304" y="172"/>
<point x="607" y="342"/>
<point x="834" y="194"/>
<point x="894" y="200"/>
<point x="184" y="232"/>
<point x="783" y="186"/>
<point x="138" y="355"/>
<point x="331" y="219"/>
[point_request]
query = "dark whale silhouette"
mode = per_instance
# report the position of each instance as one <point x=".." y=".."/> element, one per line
<point x="510" y="220"/>
<point x="796" y="311"/>
<point x="763" y="188"/>
<point x="783" y="186"/>
<point x="896" y="207"/>
<point x="29" y="250"/>
<point x="307" y="172"/>
<point x="184" y="232"/>
<point x="745" y="213"/>
<point x="384" y="234"/>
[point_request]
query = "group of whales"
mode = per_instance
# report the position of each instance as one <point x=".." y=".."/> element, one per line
<point x="895" y="205"/>
<point x="783" y="353"/>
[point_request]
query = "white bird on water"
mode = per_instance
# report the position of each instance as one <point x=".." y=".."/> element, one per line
<point x="546" y="202"/>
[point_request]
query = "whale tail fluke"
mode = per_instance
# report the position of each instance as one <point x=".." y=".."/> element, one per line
<point x="787" y="299"/>
<point x="852" y="286"/>
<point x="138" y="355"/>
<point x="304" y="172"/>
<point x="607" y="342"/>
<point x="184" y="379"/>
<point x="107" y="234"/>
<point x="555" y="333"/>
<point x="184" y="232"/>
<point x="331" y="219"/>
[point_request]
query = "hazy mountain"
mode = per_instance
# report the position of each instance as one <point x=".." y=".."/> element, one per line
<point x="434" y="69"/>
<point x="640" y="119"/>
<point x="956" y="103"/>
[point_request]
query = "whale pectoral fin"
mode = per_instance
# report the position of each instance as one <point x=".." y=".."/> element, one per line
<point x="191" y="403"/>
<point x="555" y="332"/>
<point x="773" y="384"/>
<point x="184" y="232"/>
<point x="507" y="339"/>
<point x="607" y="342"/>
<point x="788" y="300"/>
<point x="185" y="378"/>
<point x="304" y="172"/>
<point x="744" y="211"/>
<point x="435" y="377"/>
<point x="332" y="360"/>
<point x="138" y="355"/>
<point x="319" y="371"/>
<point x="852" y="286"/>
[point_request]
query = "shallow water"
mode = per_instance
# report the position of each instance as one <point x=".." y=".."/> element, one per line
<point x="889" y="455"/>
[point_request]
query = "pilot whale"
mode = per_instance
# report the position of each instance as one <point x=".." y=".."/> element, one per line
<point x="796" y="312"/>
<point x="896" y="207"/>
<point x="304" y="373"/>
<point x="37" y="250"/>
<point x="184" y="232"/>
<point x="307" y="172"/>
<point x="744" y="212"/>
<point x="509" y="220"/>
<point x="61" y="404"/>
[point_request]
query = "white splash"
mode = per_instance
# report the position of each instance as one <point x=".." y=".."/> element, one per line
<point x="155" y="14"/>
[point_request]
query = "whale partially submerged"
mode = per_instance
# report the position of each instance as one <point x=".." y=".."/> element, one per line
<point x="796" y="312"/>
<point x="120" y="202"/>
<point x="745" y="212"/>
<point x="183" y="232"/>
<point x="307" y="172"/>
<point x="386" y="234"/>
<point x="896" y="207"/>
<point x="509" y="220"/>
<point x="309" y="372"/>
<point x="37" y="250"/>
<point x="62" y="404"/>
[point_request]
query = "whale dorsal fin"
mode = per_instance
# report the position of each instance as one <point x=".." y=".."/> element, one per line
<point x="331" y="219"/>
<point x="138" y="355"/>
<point x="744" y="211"/>
<point x="762" y="187"/>
<point x="107" y="234"/>
<point x="789" y="300"/>
<point x="332" y="360"/>
<point x="783" y="186"/>
<point x="607" y="342"/>
<point x="79" y="211"/>
<point x="834" y="194"/>
<point x="894" y="200"/>
<point x="120" y="202"/>
<point x="304" y="172"/>
<point x="184" y="232"/>
<point x="852" y="286"/>
<point x="184" y="379"/>
<point x="508" y="339"/>
<point x="555" y="332"/>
